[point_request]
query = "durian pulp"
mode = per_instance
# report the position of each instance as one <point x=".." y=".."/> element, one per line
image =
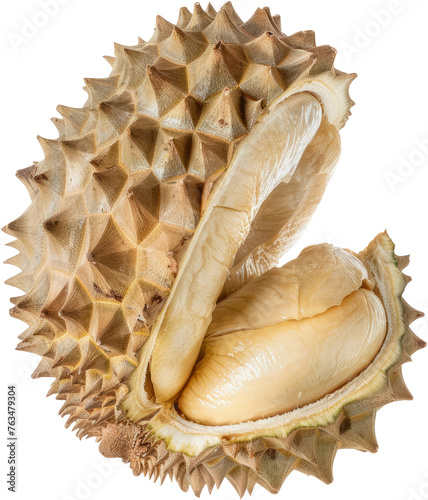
<point x="278" y="149"/>
<point x="312" y="326"/>
<point x="284" y="215"/>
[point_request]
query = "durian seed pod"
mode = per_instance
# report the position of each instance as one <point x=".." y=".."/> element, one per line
<point x="157" y="220"/>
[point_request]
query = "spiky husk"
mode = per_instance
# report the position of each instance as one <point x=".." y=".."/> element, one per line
<point x="267" y="451"/>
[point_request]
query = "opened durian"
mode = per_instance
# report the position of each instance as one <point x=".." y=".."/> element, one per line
<point x="149" y="262"/>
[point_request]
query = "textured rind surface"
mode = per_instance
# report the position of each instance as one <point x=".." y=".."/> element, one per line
<point x="119" y="194"/>
<point x="268" y="456"/>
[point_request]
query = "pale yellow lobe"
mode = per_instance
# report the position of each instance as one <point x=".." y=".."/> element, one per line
<point x="321" y="277"/>
<point x="286" y="211"/>
<point x="256" y="374"/>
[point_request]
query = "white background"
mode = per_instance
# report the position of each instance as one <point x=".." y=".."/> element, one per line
<point x="381" y="182"/>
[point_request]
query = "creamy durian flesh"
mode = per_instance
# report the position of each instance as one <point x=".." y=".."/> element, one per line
<point x="331" y="327"/>
<point x="149" y="260"/>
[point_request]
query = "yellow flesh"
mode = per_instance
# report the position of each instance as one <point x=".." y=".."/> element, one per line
<point x="255" y="374"/>
<point x="321" y="277"/>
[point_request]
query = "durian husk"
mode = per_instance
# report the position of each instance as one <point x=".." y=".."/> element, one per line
<point x="120" y="193"/>
<point x="307" y="439"/>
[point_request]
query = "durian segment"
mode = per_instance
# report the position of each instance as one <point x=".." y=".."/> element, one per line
<point x="178" y="334"/>
<point x="299" y="361"/>
<point x="320" y="278"/>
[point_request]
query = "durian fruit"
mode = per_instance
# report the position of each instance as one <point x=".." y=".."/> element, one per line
<point x="149" y="256"/>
